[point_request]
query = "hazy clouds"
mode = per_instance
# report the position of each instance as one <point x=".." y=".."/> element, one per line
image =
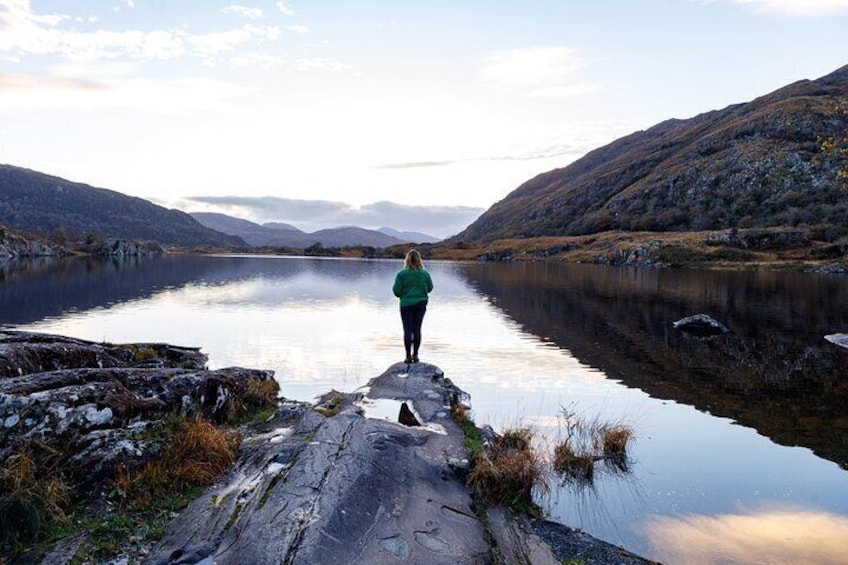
<point x="312" y="215"/>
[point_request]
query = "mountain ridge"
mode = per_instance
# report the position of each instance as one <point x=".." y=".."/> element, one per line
<point x="35" y="201"/>
<point x="268" y="235"/>
<point x="779" y="160"/>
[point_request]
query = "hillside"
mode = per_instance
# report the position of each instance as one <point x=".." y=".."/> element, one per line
<point x="33" y="201"/>
<point x="780" y="160"/>
<point x="285" y="235"/>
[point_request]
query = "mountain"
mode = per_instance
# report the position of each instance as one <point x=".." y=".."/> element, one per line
<point x="281" y="226"/>
<point x="780" y="160"/>
<point x="253" y="233"/>
<point x="409" y="236"/>
<point x="288" y="236"/>
<point x="33" y="201"/>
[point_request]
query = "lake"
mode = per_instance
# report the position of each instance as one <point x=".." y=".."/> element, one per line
<point x="741" y="444"/>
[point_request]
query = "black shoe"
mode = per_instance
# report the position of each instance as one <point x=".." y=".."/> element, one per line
<point x="415" y="359"/>
<point x="408" y="360"/>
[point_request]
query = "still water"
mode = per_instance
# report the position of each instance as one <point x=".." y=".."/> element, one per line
<point x="741" y="443"/>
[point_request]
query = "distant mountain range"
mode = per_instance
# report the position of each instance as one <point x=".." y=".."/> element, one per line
<point x="33" y="201"/>
<point x="275" y="234"/>
<point x="780" y="160"/>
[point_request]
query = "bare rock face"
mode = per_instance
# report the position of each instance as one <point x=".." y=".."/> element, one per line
<point x="94" y="401"/>
<point x="345" y="488"/>
<point x="127" y="248"/>
<point x="352" y="485"/>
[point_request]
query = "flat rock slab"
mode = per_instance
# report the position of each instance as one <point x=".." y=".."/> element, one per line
<point x="355" y="487"/>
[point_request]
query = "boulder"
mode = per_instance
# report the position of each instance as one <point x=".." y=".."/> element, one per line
<point x="838" y="339"/>
<point x="700" y="325"/>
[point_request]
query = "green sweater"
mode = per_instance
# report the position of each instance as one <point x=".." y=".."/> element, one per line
<point x="412" y="286"/>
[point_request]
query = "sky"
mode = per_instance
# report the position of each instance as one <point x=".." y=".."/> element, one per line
<point x="412" y="115"/>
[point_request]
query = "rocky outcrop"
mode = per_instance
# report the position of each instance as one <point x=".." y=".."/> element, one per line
<point x="373" y="476"/>
<point x="352" y="487"/>
<point x="93" y="402"/>
<point x="349" y="483"/>
<point x="700" y="325"/>
<point x="127" y="248"/>
<point x="13" y="246"/>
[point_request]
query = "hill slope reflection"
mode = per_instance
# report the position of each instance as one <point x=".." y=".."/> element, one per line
<point x="773" y="371"/>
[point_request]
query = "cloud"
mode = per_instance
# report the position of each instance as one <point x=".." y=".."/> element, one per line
<point x="165" y="97"/>
<point x="548" y="152"/>
<point x="23" y="32"/>
<point x="297" y="28"/>
<point x="23" y="82"/>
<point x="415" y="164"/>
<point x="313" y="215"/>
<point x="244" y="11"/>
<point x="285" y="9"/>
<point x="537" y="72"/>
<point x="779" y="536"/>
<point x="796" y="8"/>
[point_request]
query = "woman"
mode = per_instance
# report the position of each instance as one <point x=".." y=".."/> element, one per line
<point x="412" y="285"/>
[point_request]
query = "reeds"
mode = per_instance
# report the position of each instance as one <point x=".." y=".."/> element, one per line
<point x="587" y="442"/>
<point x="509" y="471"/>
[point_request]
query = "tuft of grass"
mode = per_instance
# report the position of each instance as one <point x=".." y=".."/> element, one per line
<point x="614" y="439"/>
<point x="261" y="394"/>
<point x="508" y="473"/>
<point x="330" y="404"/>
<point x="142" y="354"/>
<point x="589" y="441"/>
<point x="33" y="493"/>
<point x="576" y="465"/>
<point x="473" y="437"/>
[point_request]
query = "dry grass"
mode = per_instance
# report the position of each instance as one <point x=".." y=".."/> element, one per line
<point x="589" y="441"/>
<point x="196" y="453"/>
<point x="33" y="493"/>
<point x="614" y="439"/>
<point x="508" y="473"/>
<point x="579" y="466"/>
<point x="261" y="394"/>
<point x="678" y="248"/>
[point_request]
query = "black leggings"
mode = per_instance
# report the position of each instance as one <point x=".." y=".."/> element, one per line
<point x="412" y="317"/>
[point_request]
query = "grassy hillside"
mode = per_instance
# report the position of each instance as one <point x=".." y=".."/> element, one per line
<point x="780" y="160"/>
<point x="33" y="201"/>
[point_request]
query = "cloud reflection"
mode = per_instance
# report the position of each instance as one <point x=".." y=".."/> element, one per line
<point x="770" y="536"/>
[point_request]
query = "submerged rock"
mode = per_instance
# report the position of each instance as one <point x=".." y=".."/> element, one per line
<point x="700" y="325"/>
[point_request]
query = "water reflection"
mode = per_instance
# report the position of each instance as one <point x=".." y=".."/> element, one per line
<point x="777" y="536"/>
<point x="773" y="372"/>
<point x="524" y="341"/>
